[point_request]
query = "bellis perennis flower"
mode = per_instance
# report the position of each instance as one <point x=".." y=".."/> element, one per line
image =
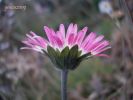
<point x="67" y="48"/>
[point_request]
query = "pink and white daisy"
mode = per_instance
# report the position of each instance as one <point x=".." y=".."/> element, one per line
<point x="66" y="45"/>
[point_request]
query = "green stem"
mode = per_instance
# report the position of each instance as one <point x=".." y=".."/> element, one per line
<point x="64" y="74"/>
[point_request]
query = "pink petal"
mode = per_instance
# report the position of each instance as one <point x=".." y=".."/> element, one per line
<point x="75" y="39"/>
<point x="42" y="42"/>
<point x="32" y="33"/>
<point x="59" y="35"/>
<point x="32" y="41"/>
<point x="57" y="41"/>
<point x="29" y="36"/>
<point x="62" y="30"/>
<point x="101" y="50"/>
<point x="27" y="43"/>
<point x="81" y="35"/>
<point x="70" y="39"/>
<point x="103" y="55"/>
<point x="95" y="43"/>
<point x="25" y="48"/>
<point x="49" y="34"/>
<point x="75" y="29"/>
<point x="101" y="45"/>
<point x="85" y="29"/>
<point x="98" y="39"/>
<point x="69" y="31"/>
<point x="35" y="40"/>
<point x="52" y="31"/>
<point x="38" y="40"/>
<point x="70" y="28"/>
<point x="90" y="38"/>
<point x="33" y="48"/>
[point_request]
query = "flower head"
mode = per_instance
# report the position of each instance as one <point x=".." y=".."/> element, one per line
<point x="67" y="48"/>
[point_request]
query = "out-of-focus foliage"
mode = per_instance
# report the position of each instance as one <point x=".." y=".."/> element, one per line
<point x="26" y="75"/>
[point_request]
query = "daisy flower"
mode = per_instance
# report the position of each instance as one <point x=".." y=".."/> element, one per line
<point x="67" y="48"/>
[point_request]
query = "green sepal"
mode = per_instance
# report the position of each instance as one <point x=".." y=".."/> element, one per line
<point x="63" y="56"/>
<point x="84" y="56"/>
<point x="67" y="58"/>
<point x="72" y="57"/>
<point x="54" y="56"/>
<point x="79" y="53"/>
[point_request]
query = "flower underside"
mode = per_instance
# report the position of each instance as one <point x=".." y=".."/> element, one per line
<point x="67" y="58"/>
<point x="67" y="49"/>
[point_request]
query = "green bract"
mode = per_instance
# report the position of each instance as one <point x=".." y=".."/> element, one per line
<point x="67" y="58"/>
